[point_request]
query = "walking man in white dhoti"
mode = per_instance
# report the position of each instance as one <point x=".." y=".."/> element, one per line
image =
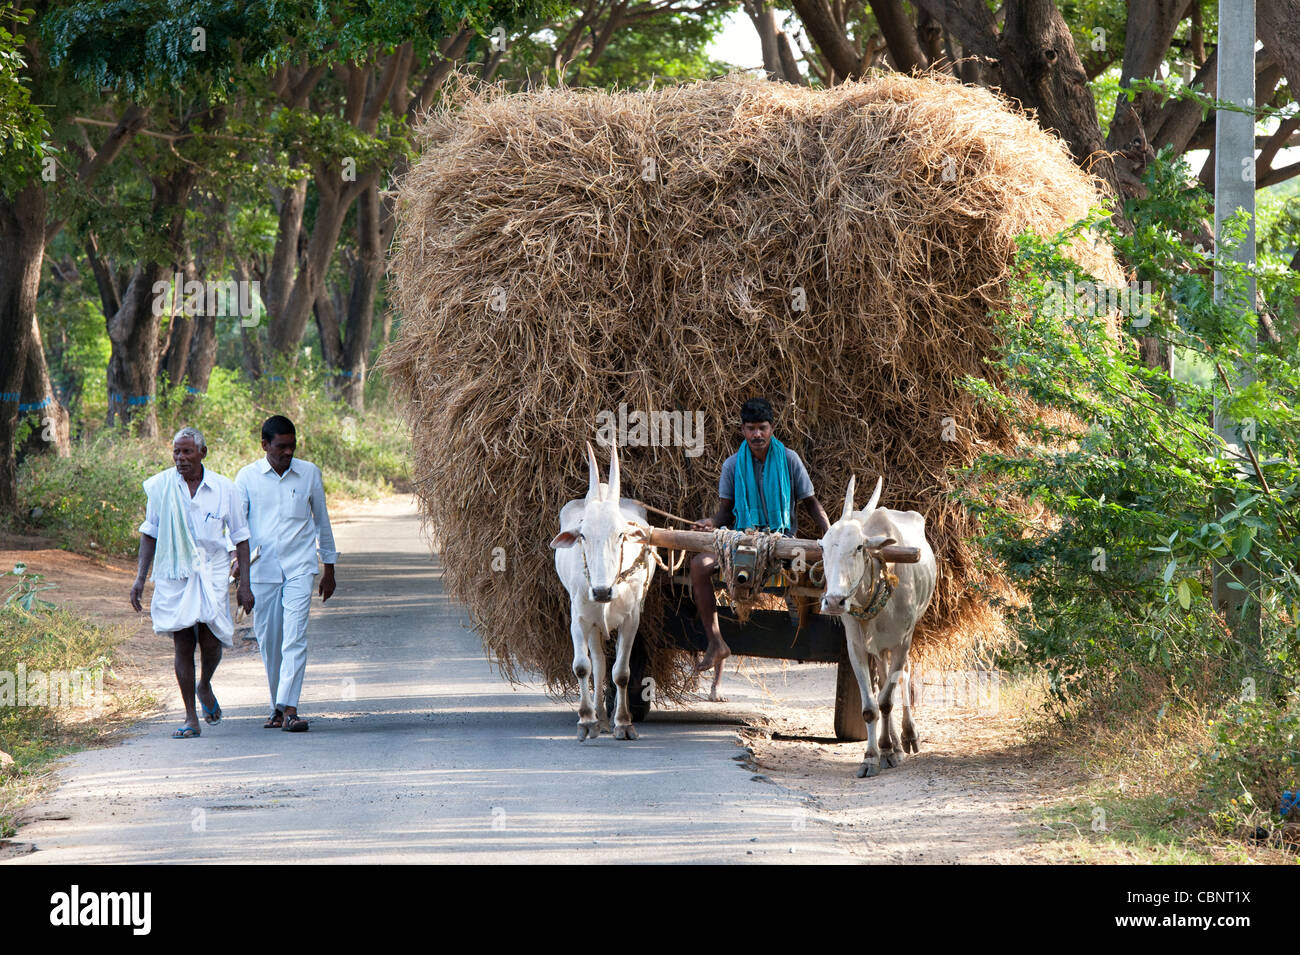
<point x="284" y="500"/>
<point x="189" y="510"/>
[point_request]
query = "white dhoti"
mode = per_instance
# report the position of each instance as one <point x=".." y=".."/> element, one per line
<point x="202" y="597"/>
<point x="191" y="579"/>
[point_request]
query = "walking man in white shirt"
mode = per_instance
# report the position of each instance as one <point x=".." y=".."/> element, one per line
<point x="188" y="512"/>
<point x="284" y="500"/>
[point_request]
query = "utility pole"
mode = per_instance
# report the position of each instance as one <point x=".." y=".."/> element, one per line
<point x="1234" y="189"/>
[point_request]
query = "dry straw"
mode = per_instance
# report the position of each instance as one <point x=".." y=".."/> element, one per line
<point x="561" y="252"/>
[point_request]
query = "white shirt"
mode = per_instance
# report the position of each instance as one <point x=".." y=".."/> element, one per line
<point x="286" y="518"/>
<point x="215" y="516"/>
<point x="213" y="511"/>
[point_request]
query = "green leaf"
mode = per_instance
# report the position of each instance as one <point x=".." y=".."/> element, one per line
<point x="1169" y="570"/>
<point x="1244" y="541"/>
<point x="1184" y="595"/>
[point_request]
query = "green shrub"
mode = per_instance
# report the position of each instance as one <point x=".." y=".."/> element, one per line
<point x="93" y="500"/>
<point x="1135" y="495"/>
<point x="1254" y="759"/>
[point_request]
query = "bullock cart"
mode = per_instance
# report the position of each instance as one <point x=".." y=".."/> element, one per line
<point x="797" y="632"/>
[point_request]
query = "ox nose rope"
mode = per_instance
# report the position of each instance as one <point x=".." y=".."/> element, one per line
<point x="641" y="559"/>
<point x="882" y="589"/>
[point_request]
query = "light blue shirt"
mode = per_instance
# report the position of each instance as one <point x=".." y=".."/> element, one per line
<point x="286" y="519"/>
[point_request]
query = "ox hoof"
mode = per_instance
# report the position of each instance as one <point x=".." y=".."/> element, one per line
<point x="625" y="732"/>
<point x="588" y="731"/>
<point x="891" y="759"/>
<point x="870" y="767"/>
<point x="910" y="743"/>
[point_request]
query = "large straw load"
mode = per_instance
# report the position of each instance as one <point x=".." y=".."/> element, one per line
<point x="562" y="253"/>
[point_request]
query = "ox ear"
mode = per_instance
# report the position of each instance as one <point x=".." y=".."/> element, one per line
<point x="612" y="494"/>
<point x="564" y="539"/>
<point x="867" y="511"/>
<point x="848" y="498"/>
<point x="593" y="475"/>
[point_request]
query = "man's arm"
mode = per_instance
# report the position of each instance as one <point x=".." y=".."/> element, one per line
<point x="244" y="592"/>
<point x="238" y="531"/>
<point x="325" y="537"/>
<point x="147" y="546"/>
<point x="720" y="518"/>
<point x="820" y="520"/>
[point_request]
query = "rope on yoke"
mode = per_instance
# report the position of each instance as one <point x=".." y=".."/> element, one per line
<point x="725" y="542"/>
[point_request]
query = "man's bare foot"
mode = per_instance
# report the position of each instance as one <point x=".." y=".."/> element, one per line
<point x="714" y="695"/>
<point x="713" y="657"/>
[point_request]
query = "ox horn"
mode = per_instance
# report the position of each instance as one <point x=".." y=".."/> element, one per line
<point x="848" y="498"/>
<point x="613" y="473"/>
<point x="593" y="475"/>
<point x="875" y="499"/>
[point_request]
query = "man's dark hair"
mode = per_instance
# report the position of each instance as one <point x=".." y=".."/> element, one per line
<point x="755" y="410"/>
<point x="277" y="424"/>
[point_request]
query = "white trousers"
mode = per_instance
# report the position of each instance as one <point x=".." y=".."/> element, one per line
<point x="280" y="625"/>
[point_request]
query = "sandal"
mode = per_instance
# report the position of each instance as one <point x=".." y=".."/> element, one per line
<point x="185" y="731"/>
<point x="293" y="723"/>
<point x="275" y="722"/>
<point x="212" y="716"/>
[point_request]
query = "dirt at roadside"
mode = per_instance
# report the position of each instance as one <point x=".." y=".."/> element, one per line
<point x="969" y="796"/>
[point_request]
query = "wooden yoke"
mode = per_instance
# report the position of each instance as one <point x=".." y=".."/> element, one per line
<point x="786" y="549"/>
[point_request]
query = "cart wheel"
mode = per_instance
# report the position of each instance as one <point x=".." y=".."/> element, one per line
<point x="850" y="727"/>
<point x="640" y="665"/>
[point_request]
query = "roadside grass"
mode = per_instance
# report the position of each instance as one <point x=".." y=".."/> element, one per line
<point x="1146" y="785"/>
<point x="70" y="697"/>
<point x="92" y="502"/>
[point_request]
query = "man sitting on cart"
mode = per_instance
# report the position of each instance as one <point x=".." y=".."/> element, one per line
<point x="759" y="489"/>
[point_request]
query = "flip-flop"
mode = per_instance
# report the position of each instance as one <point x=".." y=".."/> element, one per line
<point x="213" y="715"/>
<point x="185" y="731"/>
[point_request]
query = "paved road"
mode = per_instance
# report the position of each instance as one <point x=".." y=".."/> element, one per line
<point x="418" y="752"/>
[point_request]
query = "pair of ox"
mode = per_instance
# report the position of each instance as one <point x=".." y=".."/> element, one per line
<point x="604" y="558"/>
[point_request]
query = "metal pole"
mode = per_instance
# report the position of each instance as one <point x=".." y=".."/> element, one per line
<point x="1234" y="189"/>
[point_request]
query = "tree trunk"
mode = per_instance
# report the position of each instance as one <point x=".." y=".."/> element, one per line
<point x="1042" y="69"/>
<point x="279" y="279"/>
<point x="133" y="357"/>
<point x="327" y="326"/>
<point x="202" y="355"/>
<point x="764" y="19"/>
<point x="369" y="267"/>
<point x="334" y="197"/>
<point x="176" y="357"/>
<point x="22" y="249"/>
<point x="837" y="51"/>
<point x="896" y="27"/>
<point x="38" y="397"/>
<point x="133" y="329"/>
<point x="250" y="340"/>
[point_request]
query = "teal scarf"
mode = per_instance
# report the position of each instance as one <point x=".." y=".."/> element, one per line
<point x="776" y="490"/>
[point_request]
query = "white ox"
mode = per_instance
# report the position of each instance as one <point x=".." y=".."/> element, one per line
<point x="851" y="574"/>
<point x="608" y="576"/>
